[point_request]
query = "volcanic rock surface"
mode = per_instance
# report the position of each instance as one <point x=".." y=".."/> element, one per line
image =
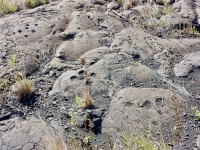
<point x="139" y="63"/>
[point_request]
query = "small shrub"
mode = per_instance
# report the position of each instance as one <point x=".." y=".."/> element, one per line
<point x="23" y="88"/>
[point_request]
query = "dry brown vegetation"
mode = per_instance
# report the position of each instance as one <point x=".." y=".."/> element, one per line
<point x="87" y="99"/>
<point x="23" y="88"/>
<point x="52" y="142"/>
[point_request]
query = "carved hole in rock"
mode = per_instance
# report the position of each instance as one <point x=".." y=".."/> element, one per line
<point x="92" y="63"/>
<point x="128" y="103"/>
<point x="159" y="102"/>
<point x="69" y="36"/>
<point x="36" y="24"/>
<point x="26" y="35"/>
<point x="13" y="33"/>
<point x="88" y="82"/>
<point x="198" y="67"/>
<point x="154" y="123"/>
<point x="81" y="72"/>
<point x="73" y="77"/>
<point x="93" y="74"/>
<point x="26" y="28"/>
<point x="32" y="31"/>
<point x="191" y="71"/>
<point x="27" y="24"/>
<point x="20" y="31"/>
<point x="136" y="56"/>
<point x="79" y="28"/>
<point x="147" y="104"/>
<point x="159" y="112"/>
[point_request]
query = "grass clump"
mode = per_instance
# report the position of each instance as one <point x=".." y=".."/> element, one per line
<point x="138" y="141"/>
<point x="196" y="113"/>
<point x="23" y="88"/>
<point x="166" y="9"/>
<point x="85" y="101"/>
<point x="8" y="6"/>
<point x="53" y="142"/>
<point x="49" y="139"/>
<point x="13" y="58"/>
<point x="11" y="6"/>
<point x="177" y="116"/>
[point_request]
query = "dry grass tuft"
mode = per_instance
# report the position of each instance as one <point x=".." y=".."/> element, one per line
<point x="138" y="141"/>
<point x="52" y="142"/>
<point x="23" y="88"/>
<point x="177" y="115"/>
<point x="87" y="99"/>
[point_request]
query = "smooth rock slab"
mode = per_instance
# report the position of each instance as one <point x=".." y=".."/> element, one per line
<point x="189" y="62"/>
<point x="17" y="134"/>
<point x="133" y="107"/>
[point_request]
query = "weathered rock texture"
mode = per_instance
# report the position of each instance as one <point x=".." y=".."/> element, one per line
<point x="128" y="59"/>
<point x="22" y="134"/>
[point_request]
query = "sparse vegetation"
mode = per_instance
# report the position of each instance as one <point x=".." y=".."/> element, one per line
<point x="177" y="116"/>
<point x="128" y="69"/>
<point x="138" y="141"/>
<point x="11" y="6"/>
<point x="85" y="101"/>
<point x="23" y="88"/>
<point x="13" y="58"/>
<point x="157" y="15"/>
<point x="72" y="116"/>
<point x="187" y="29"/>
<point x="8" y="6"/>
<point x="144" y="24"/>
<point x="52" y="142"/>
<point x="164" y="11"/>
<point x="119" y="1"/>
<point x="196" y="112"/>
<point x="4" y="84"/>
<point x="63" y="65"/>
<point x="195" y="31"/>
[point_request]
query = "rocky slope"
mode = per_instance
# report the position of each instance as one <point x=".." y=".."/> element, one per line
<point x="139" y="61"/>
